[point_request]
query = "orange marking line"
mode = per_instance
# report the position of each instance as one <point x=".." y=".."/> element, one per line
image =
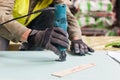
<point x="72" y="70"/>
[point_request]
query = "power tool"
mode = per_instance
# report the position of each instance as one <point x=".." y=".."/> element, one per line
<point x="60" y="20"/>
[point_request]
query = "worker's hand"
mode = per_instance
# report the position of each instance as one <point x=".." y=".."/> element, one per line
<point x="78" y="47"/>
<point x="49" y="39"/>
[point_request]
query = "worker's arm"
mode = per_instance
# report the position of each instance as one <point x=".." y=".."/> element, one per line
<point x="73" y="27"/>
<point x="14" y="30"/>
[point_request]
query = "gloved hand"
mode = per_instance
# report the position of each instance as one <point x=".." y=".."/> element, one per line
<point x="49" y="39"/>
<point x="78" y="47"/>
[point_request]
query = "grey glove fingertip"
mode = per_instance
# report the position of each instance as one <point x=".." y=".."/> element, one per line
<point x="82" y="52"/>
<point x="53" y="48"/>
<point x="60" y="42"/>
<point x="76" y="48"/>
<point x="90" y="49"/>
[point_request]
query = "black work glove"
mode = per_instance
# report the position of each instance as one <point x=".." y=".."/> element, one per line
<point x="78" y="47"/>
<point x="49" y="39"/>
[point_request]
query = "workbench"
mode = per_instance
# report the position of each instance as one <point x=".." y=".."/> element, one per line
<point x="39" y="65"/>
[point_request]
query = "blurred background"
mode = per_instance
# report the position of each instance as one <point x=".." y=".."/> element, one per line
<point x="97" y="17"/>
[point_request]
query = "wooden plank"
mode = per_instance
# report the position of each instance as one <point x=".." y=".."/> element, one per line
<point x="72" y="70"/>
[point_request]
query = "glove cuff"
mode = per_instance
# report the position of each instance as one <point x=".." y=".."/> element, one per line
<point x="31" y="37"/>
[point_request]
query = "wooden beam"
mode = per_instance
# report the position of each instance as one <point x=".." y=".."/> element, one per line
<point x="72" y="70"/>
